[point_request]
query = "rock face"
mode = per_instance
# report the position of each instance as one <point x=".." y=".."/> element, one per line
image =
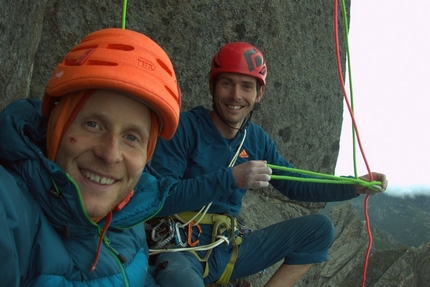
<point x="388" y="268"/>
<point x="301" y="110"/>
<point x="302" y="107"/>
<point x="20" y="31"/>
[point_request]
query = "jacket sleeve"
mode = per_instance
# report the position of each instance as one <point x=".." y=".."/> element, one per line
<point x="18" y="229"/>
<point x="305" y="191"/>
<point x="186" y="194"/>
<point x="9" y="267"/>
<point x="192" y="191"/>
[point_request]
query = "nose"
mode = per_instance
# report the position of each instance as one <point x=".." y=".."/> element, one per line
<point x="236" y="93"/>
<point x="108" y="149"/>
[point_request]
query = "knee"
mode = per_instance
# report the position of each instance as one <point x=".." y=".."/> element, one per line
<point x="176" y="269"/>
<point x="320" y="236"/>
<point x="324" y="228"/>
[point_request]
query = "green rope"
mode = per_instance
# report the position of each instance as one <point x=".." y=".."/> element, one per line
<point x="351" y="92"/>
<point x="124" y="13"/>
<point x="322" y="177"/>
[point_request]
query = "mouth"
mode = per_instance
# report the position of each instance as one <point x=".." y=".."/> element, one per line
<point x="234" y="107"/>
<point x="97" y="178"/>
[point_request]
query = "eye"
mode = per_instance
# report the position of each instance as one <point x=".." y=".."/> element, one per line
<point x="131" y="137"/>
<point x="225" y="83"/>
<point x="248" y="86"/>
<point x="91" y="124"/>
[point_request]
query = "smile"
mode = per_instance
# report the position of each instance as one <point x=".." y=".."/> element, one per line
<point x="97" y="178"/>
<point x="235" y="107"/>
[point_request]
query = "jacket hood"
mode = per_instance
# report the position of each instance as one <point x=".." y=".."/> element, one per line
<point x="23" y="132"/>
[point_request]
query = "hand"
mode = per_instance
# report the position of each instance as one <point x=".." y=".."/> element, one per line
<point x="252" y="174"/>
<point x="359" y="189"/>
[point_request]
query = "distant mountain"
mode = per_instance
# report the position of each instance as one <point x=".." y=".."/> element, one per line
<point x="389" y="264"/>
<point x="406" y="219"/>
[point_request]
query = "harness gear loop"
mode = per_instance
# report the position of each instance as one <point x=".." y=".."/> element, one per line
<point x="226" y="275"/>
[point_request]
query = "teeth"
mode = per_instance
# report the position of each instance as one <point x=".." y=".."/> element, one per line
<point x="234" y="107"/>
<point x="97" y="178"/>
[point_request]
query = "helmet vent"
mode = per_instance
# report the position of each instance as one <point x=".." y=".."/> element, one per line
<point x="90" y="62"/>
<point x="121" y="47"/>
<point x="84" y="48"/>
<point x="263" y="71"/>
<point x="215" y="62"/>
<point x="174" y="95"/>
<point x="165" y="67"/>
<point x="100" y="63"/>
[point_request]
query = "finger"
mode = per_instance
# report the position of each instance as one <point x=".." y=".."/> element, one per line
<point x="262" y="177"/>
<point x="262" y="184"/>
<point x="264" y="170"/>
<point x="259" y="180"/>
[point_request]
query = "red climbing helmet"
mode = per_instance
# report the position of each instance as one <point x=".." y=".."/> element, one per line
<point x="121" y="60"/>
<point x="242" y="58"/>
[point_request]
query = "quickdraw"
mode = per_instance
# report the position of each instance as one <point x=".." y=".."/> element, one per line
<point x="162" y="234"/>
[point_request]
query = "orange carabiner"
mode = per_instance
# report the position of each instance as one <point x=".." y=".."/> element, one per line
<point x="190" y="233"/>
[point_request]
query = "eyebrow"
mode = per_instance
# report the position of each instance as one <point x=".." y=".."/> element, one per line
<point x="241" y="81"/>
<point x="131" y="125"/>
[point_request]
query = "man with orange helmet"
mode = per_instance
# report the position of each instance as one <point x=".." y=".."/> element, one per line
<point x="73" y="194"/>
<point x="216" y="155"/>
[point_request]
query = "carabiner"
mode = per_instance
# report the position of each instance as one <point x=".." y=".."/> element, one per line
<point x="178" y="238"/>
<point x="190" y="233"/>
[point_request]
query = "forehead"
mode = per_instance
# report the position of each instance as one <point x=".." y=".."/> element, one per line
<point x="237" y="78"/>
<point x="116" y="107"/>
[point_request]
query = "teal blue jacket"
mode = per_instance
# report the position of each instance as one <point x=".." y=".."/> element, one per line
<point x="46" y="237"/>
<point x="197" y="157"/>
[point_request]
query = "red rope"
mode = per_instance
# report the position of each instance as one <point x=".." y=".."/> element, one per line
<point x="351" y="112"/>
<point x="370" y="240"/>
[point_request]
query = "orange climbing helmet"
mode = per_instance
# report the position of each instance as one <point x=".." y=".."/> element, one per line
<point x="242" y="58"/>
<point x="121" y="60"/>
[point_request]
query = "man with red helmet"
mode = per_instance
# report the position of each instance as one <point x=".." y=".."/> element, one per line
<point x="73" y="194"/>
<point x="216" y="155"/>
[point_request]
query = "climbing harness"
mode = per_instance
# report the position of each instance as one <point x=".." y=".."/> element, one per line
<point x="166" y="235"/>
<point x="225" y="225"/>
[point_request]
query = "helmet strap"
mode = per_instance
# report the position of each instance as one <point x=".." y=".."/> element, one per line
<point x="243" y="126"/>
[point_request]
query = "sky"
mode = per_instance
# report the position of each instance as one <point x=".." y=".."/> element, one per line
<point x="389" y="42"/>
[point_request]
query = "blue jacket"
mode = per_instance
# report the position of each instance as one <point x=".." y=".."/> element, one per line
<point x="198" y="156"/>
<point x="46" y="237"/>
